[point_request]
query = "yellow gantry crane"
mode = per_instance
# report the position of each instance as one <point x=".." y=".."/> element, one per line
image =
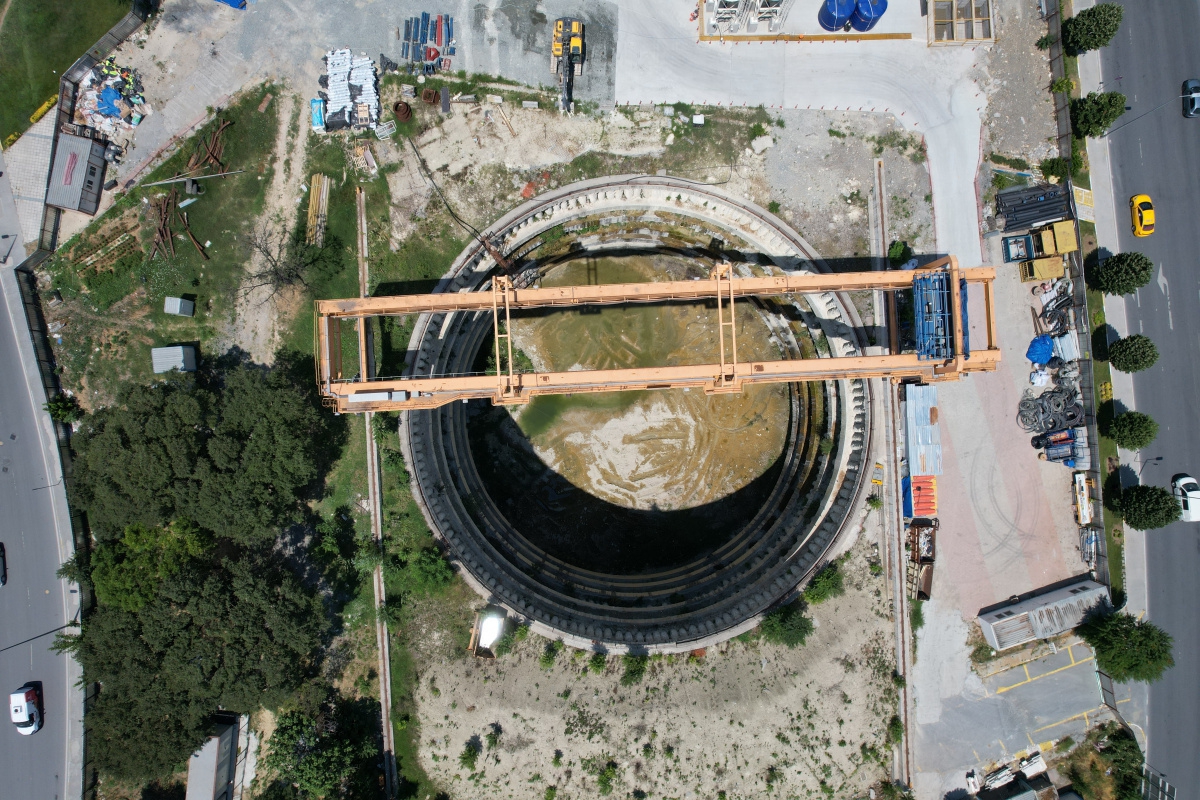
<point x="944" y="356"/>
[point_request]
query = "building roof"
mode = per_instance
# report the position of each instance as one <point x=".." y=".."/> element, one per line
<point x="1042" y="616"/>
<point x="922" y="435"/>
<point x="69" y="172"/>
<point x="181" y="357"/>
<point x="179" y="307"/>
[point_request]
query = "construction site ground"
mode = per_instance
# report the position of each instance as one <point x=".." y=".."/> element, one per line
<point x="744" y="718"/>
<point x="1007" y="528"/>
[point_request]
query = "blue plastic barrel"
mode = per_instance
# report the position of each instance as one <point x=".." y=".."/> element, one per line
<point x="866" y="14"/>
<point x="834" y="14"/>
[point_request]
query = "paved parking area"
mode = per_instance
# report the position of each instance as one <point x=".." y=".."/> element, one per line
<point x="1019" y="708"/>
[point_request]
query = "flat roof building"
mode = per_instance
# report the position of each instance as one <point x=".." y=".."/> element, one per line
<point x="210" y="770"/>
<point x="1042" y="616"/>
<point x="77" y="175"/>
<point x="181" y="357"/>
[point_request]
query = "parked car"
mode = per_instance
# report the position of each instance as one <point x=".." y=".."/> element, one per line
<point x="1191" y="98"/>
<point x="25" y="709"/>
<point x="1187" y="492"/>
<point x="1141" y="209"/>
<point x="3" y="565"/>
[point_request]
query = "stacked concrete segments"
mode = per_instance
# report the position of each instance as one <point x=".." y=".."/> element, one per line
<point x="717" y="594"/>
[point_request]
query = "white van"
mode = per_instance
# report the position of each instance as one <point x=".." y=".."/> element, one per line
<point x="24" y="710"/>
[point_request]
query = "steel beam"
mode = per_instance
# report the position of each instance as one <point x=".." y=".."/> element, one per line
<point x="618" y="293"/>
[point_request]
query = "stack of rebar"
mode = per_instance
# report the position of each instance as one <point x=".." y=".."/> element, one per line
<point x="211" y="149"/>
<point x="164" y="238"/>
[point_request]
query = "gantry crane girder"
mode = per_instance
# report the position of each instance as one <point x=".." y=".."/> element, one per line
<point x="726" y="374"/>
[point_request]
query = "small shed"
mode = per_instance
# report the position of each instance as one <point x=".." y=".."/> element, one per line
<point x="181" y="357"/>
<point x="1042" y="616"/>
<point x="179" y="307"/>
<point x="77" y="175"/>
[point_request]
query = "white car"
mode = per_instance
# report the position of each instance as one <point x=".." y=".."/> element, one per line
<point x="1187" y="492"/>
<point x="24" y="710"/>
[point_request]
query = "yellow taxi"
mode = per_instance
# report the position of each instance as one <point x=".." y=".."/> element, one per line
<point x="1141" y="210"/>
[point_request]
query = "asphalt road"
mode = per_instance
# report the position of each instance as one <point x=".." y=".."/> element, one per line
<point x="34" y="602"/>
<point x="1155" y="150"/>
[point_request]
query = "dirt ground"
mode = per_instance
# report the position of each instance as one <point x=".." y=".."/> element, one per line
<point x="821" y="172"/>
<point x="259" y="315"/>
<point x="742" y="719"/>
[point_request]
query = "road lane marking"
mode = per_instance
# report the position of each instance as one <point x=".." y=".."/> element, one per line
<point x="1082" y="715"/>
<point x="1166" y="290"/>
<point x="1028" y="679"/>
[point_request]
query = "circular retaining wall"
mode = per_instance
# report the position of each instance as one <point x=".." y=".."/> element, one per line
<point x="715" y="595"/>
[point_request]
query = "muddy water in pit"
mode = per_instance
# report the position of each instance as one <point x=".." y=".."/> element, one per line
<point x="624" y="482"/>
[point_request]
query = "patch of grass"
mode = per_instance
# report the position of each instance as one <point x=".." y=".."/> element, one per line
<point x="1064" y="744"/>
<point x="39" y="41"/>
<point x="116" y="310"/>
<point x="597" y="663"/>
<point x="1002" y="181"/>
<point x="916" y="615"/>
<point x="895" y="730"/>
<point x="835" y="133"/>
<point x="756" y="130"/>
<point x="635" y="669"/>
<point x="773" y="206"/>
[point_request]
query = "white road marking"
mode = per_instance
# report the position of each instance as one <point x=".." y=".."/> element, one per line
<point x="1166" y="290"/>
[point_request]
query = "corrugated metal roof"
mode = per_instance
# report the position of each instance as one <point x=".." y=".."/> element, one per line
<point x="179" y="307"/>
<point x="69" y="172"/>
<point x="923" y="437"/>
<point x="181" y="357"/>
<point x="1043" y="616"/>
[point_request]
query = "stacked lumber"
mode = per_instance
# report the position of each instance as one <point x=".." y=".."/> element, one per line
<point x="318" y="207"/>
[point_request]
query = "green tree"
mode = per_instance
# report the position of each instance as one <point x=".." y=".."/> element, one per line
<point x="1148" y="507"/>
<point x="64" y="408"/>
<point x="233" y="453"/>
<point x="1127" y="648"/>
<point x="318" y="753"/>
<point x="1133" y="353"/>
<point x="827" y="583"/>
<point x="1093" y="115"/>
<point x="1065" y="168"/>
<point x="1133" y="430"/>
<point x="1124" y="273"/>
<point x="237" y="635"/>
<point x="899" y="253"/>
<point x="1091" y="29"/>
<point x="787" y="625"/>
<point x="129" y="572"/>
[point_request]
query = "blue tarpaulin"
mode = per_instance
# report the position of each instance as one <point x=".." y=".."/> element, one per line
<point x="1040" y="349"/>
<point x="107" y="104"/>
<point x="234" y="3"/>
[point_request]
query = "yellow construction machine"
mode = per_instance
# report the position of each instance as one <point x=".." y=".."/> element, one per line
<point x="566" y="57"/>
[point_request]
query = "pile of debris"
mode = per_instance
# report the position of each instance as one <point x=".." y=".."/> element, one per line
<point x="350" y="91"/>
<point x="169" y="212"/>
<point x="428" y="43"/>
<point x="110" y="99"/>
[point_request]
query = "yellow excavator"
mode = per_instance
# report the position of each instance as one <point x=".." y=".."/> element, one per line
<point x="566" y="57"/>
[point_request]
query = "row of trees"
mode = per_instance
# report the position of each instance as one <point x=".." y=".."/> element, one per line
<point x="186" y="485"/>
<point x="1095" y="113"/>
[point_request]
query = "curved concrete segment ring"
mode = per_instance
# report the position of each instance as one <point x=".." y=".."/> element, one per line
<point x="719" y="593"/>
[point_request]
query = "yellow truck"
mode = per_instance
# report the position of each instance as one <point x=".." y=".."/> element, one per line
<point x="1041" y="254"/>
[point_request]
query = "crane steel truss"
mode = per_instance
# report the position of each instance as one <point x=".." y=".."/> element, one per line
<point x="507" y="386"/>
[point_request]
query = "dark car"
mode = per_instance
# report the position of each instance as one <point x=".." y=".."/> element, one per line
<point x="3" y="566"/>
<point x="1191" y="98"/>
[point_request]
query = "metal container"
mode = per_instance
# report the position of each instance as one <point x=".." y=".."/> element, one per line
<point x="866" y="14"/>
<point x="403" y="111"/>
<point x="834" y="14"/>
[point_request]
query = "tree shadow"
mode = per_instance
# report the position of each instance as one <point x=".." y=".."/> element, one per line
<point x="157" y="790"/>
<point x="1120" y="477"/>
<point x="1091" y="266"/>
<point x="1101" y="337"/>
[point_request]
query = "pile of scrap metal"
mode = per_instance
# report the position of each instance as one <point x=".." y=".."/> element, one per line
<point x="210" y="150"/>
<point x="169" y="211"/>
<point x="110" y="99"/>
<point x="922" y="552"/>
<point x="350" y="92"/>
